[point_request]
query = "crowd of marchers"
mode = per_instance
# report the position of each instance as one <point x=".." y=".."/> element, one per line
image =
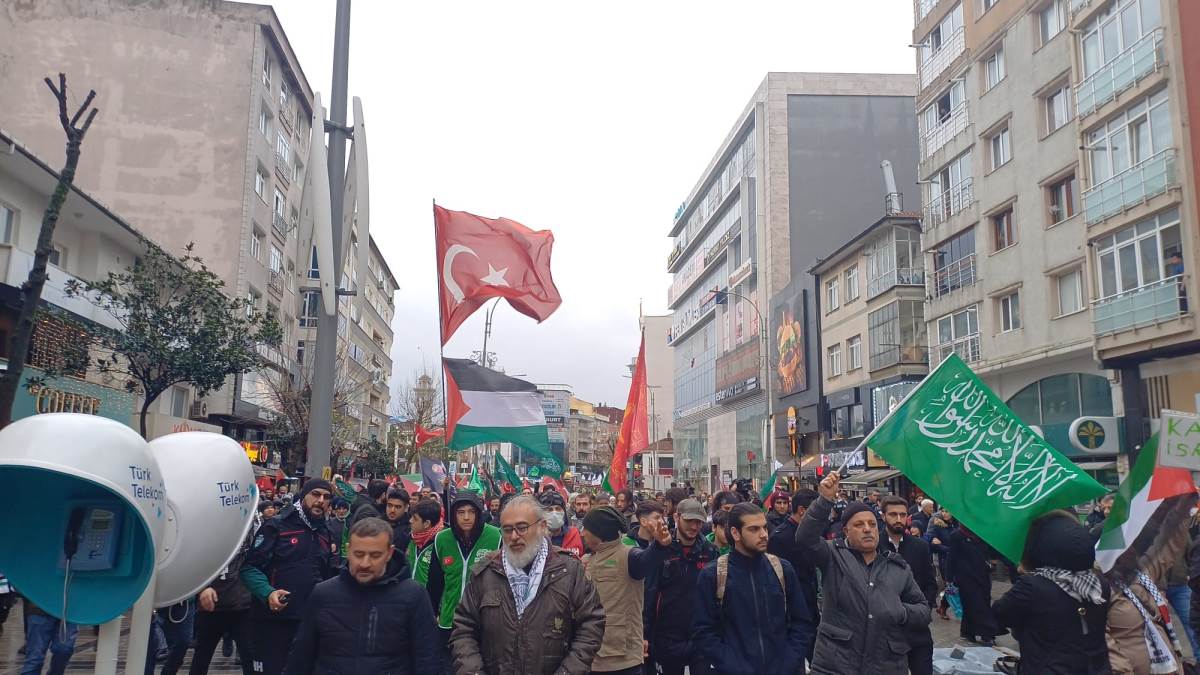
<point x="807" y="582"/>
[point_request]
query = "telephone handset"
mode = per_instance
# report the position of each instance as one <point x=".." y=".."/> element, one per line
<point x="91" y="538"/>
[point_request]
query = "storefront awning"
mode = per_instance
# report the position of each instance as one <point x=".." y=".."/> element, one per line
<point x="871" y="477"/>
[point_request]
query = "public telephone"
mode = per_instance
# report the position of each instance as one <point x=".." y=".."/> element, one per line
<point x="92" y="534"/>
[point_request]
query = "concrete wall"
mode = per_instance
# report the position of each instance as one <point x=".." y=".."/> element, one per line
<point x="660" y="369"/>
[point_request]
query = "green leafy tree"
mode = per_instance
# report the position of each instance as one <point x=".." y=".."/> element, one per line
<point x="176" y="326"/>
<point x="375" y="459"/>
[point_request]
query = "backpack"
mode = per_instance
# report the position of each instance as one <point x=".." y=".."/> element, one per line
<point x="723" y="576"/>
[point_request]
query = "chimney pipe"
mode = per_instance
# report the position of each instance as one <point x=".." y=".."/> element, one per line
<point x="893" y="202"/>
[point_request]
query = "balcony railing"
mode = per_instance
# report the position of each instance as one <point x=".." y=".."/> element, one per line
<point x="967" y="349"/>
<point x="275" y="282"/>
<point x="1142" y="58"/>
<point x="280" y="224"/>
<point x="924" y="7"/>
<point x="286" y="118"/>
<point x="1145" y="306"/>
<point x="893" y="354"/>
<point x="938" y="63"/>
<point x="1146" y="179"/>
<point x="949" y="203"/>
<point x="954" y="124"/>
<point x="956" y="275"/>
<point x="905" y="276"/>
<point x="283" y="170"/>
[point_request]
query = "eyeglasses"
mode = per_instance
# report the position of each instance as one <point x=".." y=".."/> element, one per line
<point x="323" y="496"/>
<point x="519" y="528"/>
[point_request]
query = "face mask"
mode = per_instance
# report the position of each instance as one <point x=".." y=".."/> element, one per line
<point x="555" y="520"/>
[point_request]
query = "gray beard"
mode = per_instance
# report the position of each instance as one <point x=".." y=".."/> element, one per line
<point x="524" y="558"/>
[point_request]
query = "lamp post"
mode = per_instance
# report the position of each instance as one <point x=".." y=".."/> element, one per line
<point x="768" y="434"/>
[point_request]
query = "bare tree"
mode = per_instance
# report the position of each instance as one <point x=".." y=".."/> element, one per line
<point x="31" y="290"/>
<point x="419" y="403"/>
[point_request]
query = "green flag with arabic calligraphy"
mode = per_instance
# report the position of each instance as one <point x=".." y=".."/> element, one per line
<point x="960" y="444"/>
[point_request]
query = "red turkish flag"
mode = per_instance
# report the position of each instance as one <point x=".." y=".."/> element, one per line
<point x="633" y="437"/>
<point x="425" y="435"/>
<point x="482" y="258"/>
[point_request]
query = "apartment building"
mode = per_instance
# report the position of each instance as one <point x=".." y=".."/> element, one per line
<point x="783" y="188"/>
<point x="201" y="138"/>
<point x="1052" y="135"/>
<point x="872" y="336"/>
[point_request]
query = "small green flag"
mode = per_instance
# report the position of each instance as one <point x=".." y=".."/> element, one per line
<point x="960" y="444"/>
<point x="506" y="474"/>
<point x="475" y="484"/>
<point x="347" y="490"/>
<point x="769" y="487"/>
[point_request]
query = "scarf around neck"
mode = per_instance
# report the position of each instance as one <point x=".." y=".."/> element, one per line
<point x="1162" y="660"/>
<point x="1083" y="585"/>
<point x="422" y="539"/>
<point x="524" y="585"/>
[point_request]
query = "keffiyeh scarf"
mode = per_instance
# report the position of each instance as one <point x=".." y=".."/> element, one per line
<point x="1083" y="586"/>
<point x="1162" y="658"/>
<point x="524" y="585"/>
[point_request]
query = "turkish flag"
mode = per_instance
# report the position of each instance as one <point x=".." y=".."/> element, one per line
<point x="425" y="435"/>
<point x="482" y="258"/>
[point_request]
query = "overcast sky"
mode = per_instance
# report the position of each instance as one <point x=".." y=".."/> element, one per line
<point x="592" y="120"/>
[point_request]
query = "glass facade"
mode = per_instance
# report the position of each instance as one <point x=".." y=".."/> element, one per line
<point x="1061" y="399"/>
<point x="695" y="371"/>
<point x="749" y="443"/>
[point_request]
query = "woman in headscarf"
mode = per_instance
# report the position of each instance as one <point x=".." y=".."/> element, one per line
<point x="1142" y="639"/>
<point x="1057" y="610"/>
<point x="971" y="570"/>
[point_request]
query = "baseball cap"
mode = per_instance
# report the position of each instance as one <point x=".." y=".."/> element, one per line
<point x="690" y="509"/>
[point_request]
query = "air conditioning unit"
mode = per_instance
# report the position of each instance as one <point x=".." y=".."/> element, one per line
<point x="199" y="409"/>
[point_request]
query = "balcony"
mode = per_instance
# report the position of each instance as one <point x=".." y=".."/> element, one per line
<point x="275" y="282"/>
<point x="937" y="64"/>
<point x="286" y="119"/>
<point x="280" y="225"/>
<point x="948" y="204"/>
<point x="894" y="354"/>
<point x="1142" y="58"/>
<point x="905" y="276"/>
<point x="956" y="275"/>
<point x="967" y="349"/>
<point x="1148" y="305"/>
<point x="954" y="124"/>
<point x="924" y="7"/>
<point x="283" y="170"/>
<point x="1133" y="186"/>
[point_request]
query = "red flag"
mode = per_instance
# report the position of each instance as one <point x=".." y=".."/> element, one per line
<point x="425" y="435"/>
<point x="635" y="435"/>
<point x="481" y="258"/>
<point x="558" y="487"/>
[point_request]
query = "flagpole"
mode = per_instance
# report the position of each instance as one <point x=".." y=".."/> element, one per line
<point x="441" y="338"/>
<point x="862" y="446"/>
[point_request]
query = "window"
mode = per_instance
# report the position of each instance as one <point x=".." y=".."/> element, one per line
<point x="1138" y="133"/>
<point x="1063" y="199"/>
<point x="999" y="149"/>
<point x="58" y="256"/>
<point x="252" y="298"/>
<point x="1003" y="232"/>
<point x="942" y="34"/>
<point x="1061" y="399"/>
<point x="993" y="69"/>
<point x="297" y="169"/>
<point x="264" y="123"/>
<point x="8" y="223"/>
<point x="283" y="151"/>
<point x="1058" y="108"/>
<point x="1010" y="312"/>
<point x="988" y="4"/>
<point x="260" y="183"/>
<point x="1115" y="29"/>
<point x="896" y="333"/>
<point x="276" y="259"/>
<point x="256" y="241"/>
<point x="831" y="295"/>
<point x="854" y="353"/>
<point x="1137" y="256"/>
<point x="939" y="112"/>
<point x="355" y="314"/>
<point x="1069" y="287"/>
<point x="300" y="352"/>
<point x="959" y="333"/>
<point x="835" y="360"/>
<point x="846" y="422"/>
<point x="309" y="303"/>
<point x="284" y="96"/>
<point x="1052" y="19"/>
<point x="313" y="271"/>
<point x="852" y="283"/>
<point x="280" y="204"/>
<point x="179" y="400"/>
<point x="954" y="263"/>
<point x="266" y="74"/>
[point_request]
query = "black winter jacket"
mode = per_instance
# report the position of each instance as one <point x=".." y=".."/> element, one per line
<point x="783" y="544"/>
<point x="920" y="562"/>
<point x="868" y="611"/>
<point x="1045" y="621"/>
<point x="384" y="628"/>
<point x="671" y="597"/>
<point x="750" y="631"/>
<point x="290" y="555"/>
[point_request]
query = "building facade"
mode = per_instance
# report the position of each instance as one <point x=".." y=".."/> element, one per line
<point x="784" y="187"/>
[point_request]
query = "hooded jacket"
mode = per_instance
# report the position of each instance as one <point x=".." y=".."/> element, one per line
<point x="454" y="552"/>
<point x="289" y="553"/>
<point x="868" y="611"/>
<point x="382" y="628"/>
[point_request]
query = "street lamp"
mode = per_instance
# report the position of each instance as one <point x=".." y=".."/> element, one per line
<point x="768" y="432"/>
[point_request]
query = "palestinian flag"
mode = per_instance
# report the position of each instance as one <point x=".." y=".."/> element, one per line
<point x="1138" y="501"/>
<point x="769" y="486"/>
<point x="485" y="406"/>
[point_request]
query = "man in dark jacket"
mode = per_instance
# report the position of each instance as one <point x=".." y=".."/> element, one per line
<point x="780" y="505"/>
<point x="370" y="504"/>
<point x="370" y="618"/>
<point x="291" y="554"/>
<point x="869" y="599"/>
<point x="224" y="607"/>
<point x="783" y="544"/>
<point x="671" y="594"/>
<point x="556" y="628"/>
<point x="920" y="562"/>
<point x="396" y="514"/>
<point x="750" y="616"/>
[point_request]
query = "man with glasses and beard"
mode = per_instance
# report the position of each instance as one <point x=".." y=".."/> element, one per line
<point x="559" y="621"/>
<point x="291" y="554"/>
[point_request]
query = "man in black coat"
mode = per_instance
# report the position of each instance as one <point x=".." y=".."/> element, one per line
<point x="783" y="544"/>
<point x="920" y="561"/>
<point x="371" y="618"/>
<point x="372" y="504"/>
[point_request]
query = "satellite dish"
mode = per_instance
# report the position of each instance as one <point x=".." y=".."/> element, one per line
<point x="210" y="510"/>
<point x="97" y="477"/>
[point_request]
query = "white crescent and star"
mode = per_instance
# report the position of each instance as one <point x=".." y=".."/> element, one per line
<point x="494" y="276"/>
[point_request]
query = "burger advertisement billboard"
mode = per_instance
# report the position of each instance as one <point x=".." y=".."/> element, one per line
<point x="789" y="342"/>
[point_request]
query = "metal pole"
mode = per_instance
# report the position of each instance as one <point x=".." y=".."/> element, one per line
<point x="653" y="441"/>
<point x="487" y="332"/>
<point x="320" y="422"/>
